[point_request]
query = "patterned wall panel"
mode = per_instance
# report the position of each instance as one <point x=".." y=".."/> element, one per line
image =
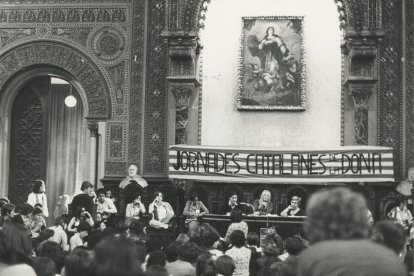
<point x="155" y="139"/>
<point x="390" y="132"/>
<point x="116" y="135"/>
<point x="137" y="77"/>
<point x="410" y="82"/>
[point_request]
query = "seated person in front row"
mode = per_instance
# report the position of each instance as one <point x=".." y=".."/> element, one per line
<point x="293" y="209"/>
<point x="193" y="209"/>
<point x="105" y="206"/>
<point x="161" y="212"/>
<point x="80" y="215"/>
<point x="263" y="206"/>
<point x="135" y="208"/>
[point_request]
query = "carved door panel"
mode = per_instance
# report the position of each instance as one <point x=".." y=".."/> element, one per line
<point x="28" y="148"/>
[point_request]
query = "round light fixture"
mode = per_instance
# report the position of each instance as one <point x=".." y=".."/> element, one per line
<point x="70" y="101"/>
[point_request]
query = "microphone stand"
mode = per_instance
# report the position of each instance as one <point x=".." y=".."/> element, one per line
<point x="248" y="204"/>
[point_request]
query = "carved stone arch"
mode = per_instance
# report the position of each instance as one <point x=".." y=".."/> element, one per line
<point x="93" y="79"/>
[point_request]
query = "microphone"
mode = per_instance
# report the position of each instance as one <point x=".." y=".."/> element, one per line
<point x="248" y="204"/>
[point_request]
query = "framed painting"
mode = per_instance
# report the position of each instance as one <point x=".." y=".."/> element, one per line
<point x="272" y="73"/>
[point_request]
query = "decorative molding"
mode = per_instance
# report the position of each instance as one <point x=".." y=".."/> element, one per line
<point x="185" y="16"/>
<point x="68" y="58"/>
<point x="93" y="129"/>
<point x="108" y="44"/>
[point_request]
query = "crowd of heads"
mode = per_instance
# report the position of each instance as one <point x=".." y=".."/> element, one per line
<point x="336" y="221"/>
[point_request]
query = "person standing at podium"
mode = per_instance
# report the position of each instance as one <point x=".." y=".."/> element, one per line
<point x="293" y="210"/>
<point x="263" y="206"/>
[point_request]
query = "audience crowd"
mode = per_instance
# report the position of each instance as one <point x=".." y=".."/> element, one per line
<point x="338" y="240"/>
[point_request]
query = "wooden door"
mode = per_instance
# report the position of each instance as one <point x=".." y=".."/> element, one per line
<point x="28" y="147"/>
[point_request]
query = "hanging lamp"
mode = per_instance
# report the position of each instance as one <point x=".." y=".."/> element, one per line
<point x="70" y="100"/>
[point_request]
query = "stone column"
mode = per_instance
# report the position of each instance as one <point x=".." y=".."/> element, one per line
<point x="360" y="96"/>
<point x="361" y="76"/>
<point x="183" y="97"/>
<point x="182" y="83"/>
<point x="93" y="162"/>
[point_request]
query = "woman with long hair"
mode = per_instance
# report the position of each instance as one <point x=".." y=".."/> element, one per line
<point x="81" y="214"/>
<point x="38" y="196"/>
<point x="15" y="251"/>
<point x="263" y="206"/>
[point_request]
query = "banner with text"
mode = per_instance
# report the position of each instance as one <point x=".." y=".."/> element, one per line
<point x="342" y="164"/>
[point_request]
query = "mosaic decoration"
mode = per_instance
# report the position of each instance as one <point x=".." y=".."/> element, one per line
<point x="108" y="44"/>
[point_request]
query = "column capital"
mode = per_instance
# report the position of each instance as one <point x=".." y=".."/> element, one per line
<point x="360" y="95"/>
<point x="183" y="94"/>
<point x="93" y="128"/>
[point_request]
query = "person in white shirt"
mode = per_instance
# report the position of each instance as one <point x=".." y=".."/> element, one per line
<point x="82" y="232"/>
<point x="105" y="206"/>
<point x="60" y="237"/>
<point x="38" y="196"/>
<point x="135" y="208"/>
<point x="161" y="212"/>
<point x="401" y="214"/>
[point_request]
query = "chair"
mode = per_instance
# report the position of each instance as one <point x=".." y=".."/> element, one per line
<point x="131" y="191"/>
<point x="300" y="191"/>
<point x="201" y="191"/>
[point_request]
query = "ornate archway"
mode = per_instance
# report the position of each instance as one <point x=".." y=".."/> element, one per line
<point x="89" y="76"/>
<point x="27" y="62"/>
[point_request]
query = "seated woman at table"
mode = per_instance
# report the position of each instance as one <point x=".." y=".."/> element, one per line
<point x="193" y="209"/>
<point x="161" y="212"/>
<point x="263" y="206"/>
<point x="231" y="204"/>
<point x="237" y="223"/>
<point x="293" y="209"/>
